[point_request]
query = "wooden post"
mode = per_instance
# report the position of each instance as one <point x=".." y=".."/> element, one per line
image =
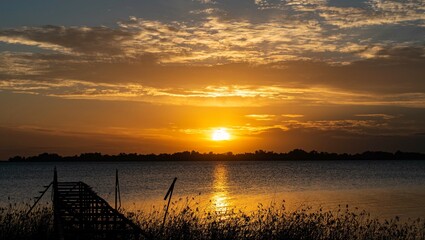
<point x="56" y="208"/>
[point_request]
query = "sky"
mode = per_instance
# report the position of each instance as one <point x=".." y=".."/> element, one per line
<point x="163" y="76"/>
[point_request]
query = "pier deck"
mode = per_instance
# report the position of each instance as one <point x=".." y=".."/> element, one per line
<point x="79" y="213"/>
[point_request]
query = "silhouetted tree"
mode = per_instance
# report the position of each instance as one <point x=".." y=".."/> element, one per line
<point x="259" y="155"/>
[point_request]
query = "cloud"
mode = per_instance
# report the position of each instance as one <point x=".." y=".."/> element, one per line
<point x="235" y="95"/>
<point x="375" y="81"/>
<point x="292" y="115"/>
<point x="376" y="115"/>
<point x="86" y="40"/>
<point x="261" y="117"/>
<point x="215" y="60"/>
<point x="209" y="40"/>
<point x="207" y="11"/>
<point x="18" y="65"/>
<point x="403" y="53"/>
<point x="215" y="38"/>
<point x="348" y="125"/>
<point x="336" y="141"/>
<point x="32" y="140"/>
<point x="340" y="60"/>
<point x="320" y="133"/>
<point x="360" y="125"/>
<point x="207" y="1"/>
<point x="373" y="12"/>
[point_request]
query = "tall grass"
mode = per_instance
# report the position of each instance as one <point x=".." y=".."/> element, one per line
<point x="190" y="221"/>
<point x="187" y="221"/>
<point x="16" y="224"/>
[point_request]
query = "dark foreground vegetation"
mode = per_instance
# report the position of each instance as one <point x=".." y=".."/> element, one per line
<point x="273" y="222"/>
<point x="259" y="155"/>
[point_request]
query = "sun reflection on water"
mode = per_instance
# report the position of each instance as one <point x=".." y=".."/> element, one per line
<point x="220" y="198"/>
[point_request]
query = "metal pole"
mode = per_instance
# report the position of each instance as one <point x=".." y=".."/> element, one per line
<point x="169" y="192"/>
<point x="56" y="218"/>
<point x="116" y="198"/>
<point x="55" y="200"/>
<point x="116" y="189"/>
<point x="39" y="198"/>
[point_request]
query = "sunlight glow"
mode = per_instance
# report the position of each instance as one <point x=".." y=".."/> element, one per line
<point x="220" y="198"/>
<point x="220" y="135"/>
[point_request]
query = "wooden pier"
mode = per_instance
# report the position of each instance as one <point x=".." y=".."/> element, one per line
<point x="79" y="213"/>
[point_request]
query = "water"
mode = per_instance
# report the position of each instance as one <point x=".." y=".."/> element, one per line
<point x="384" y="188"/>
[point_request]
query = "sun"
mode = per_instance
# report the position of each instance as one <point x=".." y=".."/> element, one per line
<point x="220" y="134"/>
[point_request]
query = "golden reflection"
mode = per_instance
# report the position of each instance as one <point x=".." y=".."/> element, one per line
<point x="220" y="197"/>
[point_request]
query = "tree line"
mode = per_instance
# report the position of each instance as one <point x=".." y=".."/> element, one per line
<point x="259" y="155"/>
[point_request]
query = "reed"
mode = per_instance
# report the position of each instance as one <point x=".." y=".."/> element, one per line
<point x="16" y="224"/>
<point x="188" y="220"/>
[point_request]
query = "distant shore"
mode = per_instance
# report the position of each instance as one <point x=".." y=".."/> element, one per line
<point x="260" y="155"/>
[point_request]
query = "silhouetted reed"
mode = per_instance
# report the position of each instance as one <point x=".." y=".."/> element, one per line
<point x="16" y="224"/>
<point x="187" y="219"/>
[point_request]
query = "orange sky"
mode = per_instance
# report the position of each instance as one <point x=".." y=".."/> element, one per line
<point x="277" y="75"/>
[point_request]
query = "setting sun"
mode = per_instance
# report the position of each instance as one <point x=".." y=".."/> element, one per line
<point x="220" y="135"/>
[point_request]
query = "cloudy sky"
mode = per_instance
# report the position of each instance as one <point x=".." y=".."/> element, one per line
<point x="161" y="76"/>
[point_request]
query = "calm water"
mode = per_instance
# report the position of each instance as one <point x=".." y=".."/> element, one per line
<point x="384" y="188"/>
